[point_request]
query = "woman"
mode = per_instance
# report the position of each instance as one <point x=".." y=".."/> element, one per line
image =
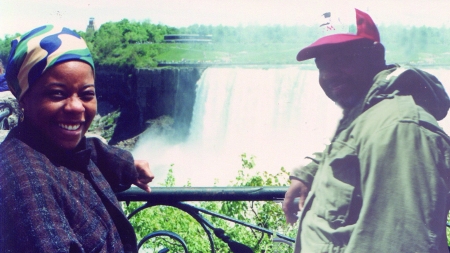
<point x="57" y="186"/>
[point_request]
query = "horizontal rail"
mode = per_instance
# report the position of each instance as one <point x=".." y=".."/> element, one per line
<point x="173" y="196"/>
<point x="177" y="194"/>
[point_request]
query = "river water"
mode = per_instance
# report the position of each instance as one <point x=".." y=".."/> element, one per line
<point x="277" y="114"/>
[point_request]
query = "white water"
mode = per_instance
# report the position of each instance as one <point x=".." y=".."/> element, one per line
<point x="278" y="114"/>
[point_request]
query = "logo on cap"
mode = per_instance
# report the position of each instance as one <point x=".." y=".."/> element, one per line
<point x="336" y="31"/>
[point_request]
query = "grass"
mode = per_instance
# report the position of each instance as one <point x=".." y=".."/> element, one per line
<point x="276" y="53"/>
<point x="238" y="53"/>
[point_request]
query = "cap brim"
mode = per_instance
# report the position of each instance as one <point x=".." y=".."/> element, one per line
<point x="319" y="45"/>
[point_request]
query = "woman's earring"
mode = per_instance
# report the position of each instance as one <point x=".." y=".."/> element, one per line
<point x="22" y="112"/>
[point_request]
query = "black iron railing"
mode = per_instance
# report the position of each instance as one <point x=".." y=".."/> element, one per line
<point x="178" y="196"/>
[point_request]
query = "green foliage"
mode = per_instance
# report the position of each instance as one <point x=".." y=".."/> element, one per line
<point x="265" y="214"/>
<point x="5" y="47"/>
<point x="140" y="44"/>
<point x="168" y="218"/>
<point x="448" y="230"/>
<point x="105" y="126"/>
<point x="126" y="43"/>
<point x="268" y="215"/>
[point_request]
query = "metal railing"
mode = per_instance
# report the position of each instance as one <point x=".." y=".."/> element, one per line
<point x="177" y="196"/>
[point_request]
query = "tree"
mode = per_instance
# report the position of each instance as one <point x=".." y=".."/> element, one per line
<point x="5" y="47"/>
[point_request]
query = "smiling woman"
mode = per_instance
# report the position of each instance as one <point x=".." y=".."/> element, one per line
<point x="62" y="104"/>
<point x="57" y="187"/>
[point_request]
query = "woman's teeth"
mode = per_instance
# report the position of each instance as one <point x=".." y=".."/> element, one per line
<point x="70" y="127"/>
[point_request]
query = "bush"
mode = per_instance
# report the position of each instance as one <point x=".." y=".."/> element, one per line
<point x="268" y="215"/>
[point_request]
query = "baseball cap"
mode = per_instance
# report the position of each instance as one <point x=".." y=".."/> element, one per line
<point x="365" y="30"/>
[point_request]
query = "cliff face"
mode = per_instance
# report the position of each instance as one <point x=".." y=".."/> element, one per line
<point x="167" y="92"/>
<point x="146" y="94"/>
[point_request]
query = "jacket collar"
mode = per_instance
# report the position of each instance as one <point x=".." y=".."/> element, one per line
<point x="78" y="158"/>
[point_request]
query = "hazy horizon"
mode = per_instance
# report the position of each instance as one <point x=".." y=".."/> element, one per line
<point x="19" y="16"/>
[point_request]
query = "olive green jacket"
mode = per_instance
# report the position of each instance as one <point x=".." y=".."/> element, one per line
<point x="382" y="185"/>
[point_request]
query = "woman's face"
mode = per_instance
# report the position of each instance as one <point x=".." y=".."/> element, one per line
<point x="62" y="103"/>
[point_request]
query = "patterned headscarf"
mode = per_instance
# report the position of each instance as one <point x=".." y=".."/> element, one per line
<point x="38" y="50"/>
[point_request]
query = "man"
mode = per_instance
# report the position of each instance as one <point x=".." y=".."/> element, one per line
<point x="382" y="184"/>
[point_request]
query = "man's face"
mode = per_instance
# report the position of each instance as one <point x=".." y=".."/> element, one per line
<point x="345" y="75"/>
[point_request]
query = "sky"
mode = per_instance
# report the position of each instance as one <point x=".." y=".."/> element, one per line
<point x="19" y="16"/>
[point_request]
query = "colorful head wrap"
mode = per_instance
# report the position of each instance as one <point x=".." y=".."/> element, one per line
<point x="41" y="48"/>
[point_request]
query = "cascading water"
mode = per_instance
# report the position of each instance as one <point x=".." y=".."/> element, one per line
<point x="277" y="114"/>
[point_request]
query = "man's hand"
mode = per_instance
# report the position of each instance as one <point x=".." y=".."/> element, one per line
<point x="297" y="189"/>
<point x="145" y="175"/>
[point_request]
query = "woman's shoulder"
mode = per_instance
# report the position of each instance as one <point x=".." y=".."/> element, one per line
<point x="12" y="147"/>
<point x="18" y="160"/>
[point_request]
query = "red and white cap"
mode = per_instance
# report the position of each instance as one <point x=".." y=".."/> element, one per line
<point x="366" y="29"/>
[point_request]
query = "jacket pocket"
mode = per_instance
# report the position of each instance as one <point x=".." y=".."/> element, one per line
<point x="336" y="194"/>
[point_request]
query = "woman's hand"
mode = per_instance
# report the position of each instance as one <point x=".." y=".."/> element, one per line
<point x="145" y="175"/>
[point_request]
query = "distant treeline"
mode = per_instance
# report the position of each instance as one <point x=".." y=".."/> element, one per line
<point x="138" y="44"/>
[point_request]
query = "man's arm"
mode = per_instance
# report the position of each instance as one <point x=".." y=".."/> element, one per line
<point x="301" y="179"/>
<point x="297" y="189"/>
<point x="404" y="173"/>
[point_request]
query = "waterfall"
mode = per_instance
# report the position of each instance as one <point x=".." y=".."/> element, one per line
<point x="277" y="114"/>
